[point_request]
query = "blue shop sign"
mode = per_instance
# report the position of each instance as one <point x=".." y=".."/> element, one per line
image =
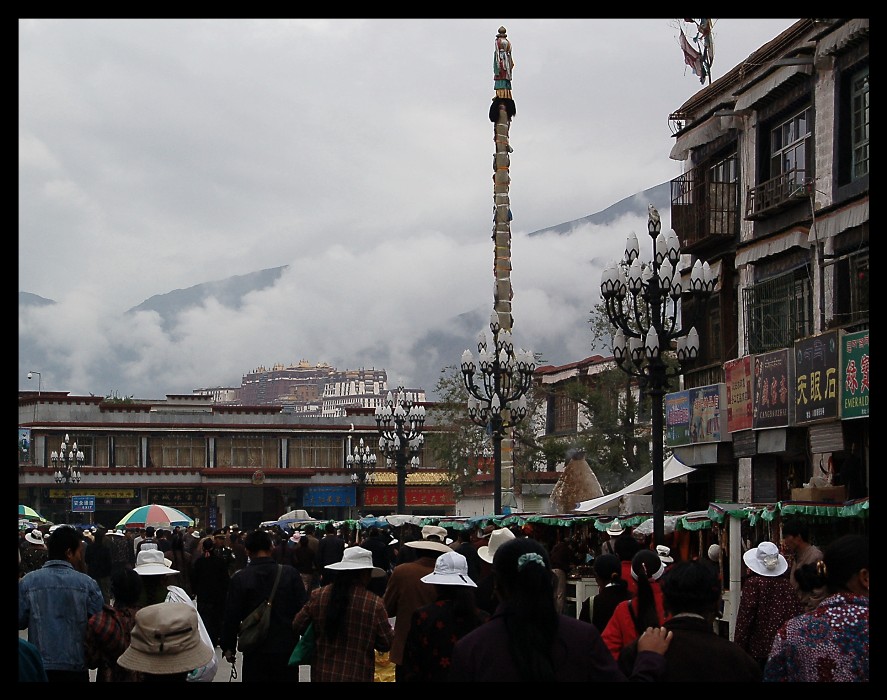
<point x="329" y="497"/>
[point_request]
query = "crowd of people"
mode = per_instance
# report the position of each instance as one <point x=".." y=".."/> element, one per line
<point x="480" y="604"/>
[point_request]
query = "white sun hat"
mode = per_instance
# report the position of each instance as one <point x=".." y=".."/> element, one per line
<point x="497" y="539"/>
<point x="355" y="558"/>
<point x="151" y="562"/>
<point x="433" y="538"/>
<point x="664" y="554"/>
<point x="35" y="537"/>
<point x="450" y="569"/>
<point x="765" y="560"/>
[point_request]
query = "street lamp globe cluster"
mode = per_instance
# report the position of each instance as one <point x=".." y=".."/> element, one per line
<point x="644" y="305"/>
<point x="362" y="463"/>
<point x="67" y="464"/>
<point x="400" y="422"/>
<point x="497" y="398"/>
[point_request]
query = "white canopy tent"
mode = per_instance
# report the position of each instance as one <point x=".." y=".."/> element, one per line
<point x="672" y="469"/>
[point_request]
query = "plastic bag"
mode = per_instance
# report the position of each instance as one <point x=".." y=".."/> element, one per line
<point x="303" y="654"/>
<point x="204" y="674"/>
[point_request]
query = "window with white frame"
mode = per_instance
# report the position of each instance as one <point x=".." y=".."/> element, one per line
<point x="859" y="101"/>
<point x="789" y="142"/>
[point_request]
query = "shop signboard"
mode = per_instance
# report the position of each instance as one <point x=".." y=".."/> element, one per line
<point x="706" y="404"/>
<point x="738" y="374"/>
<point x="103" y="497"/>
<point x="772" y="379"/>
<point x="855" y="375"/>
<point x="693" y="416"/>
<point x="178" y="497"/>
<point x="415" y="495"/>
<point x="816" y="384"/>
<point x="329" y="497"/>
<point x="677" y="418"/>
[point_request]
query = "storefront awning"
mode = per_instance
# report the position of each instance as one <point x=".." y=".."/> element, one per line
<point x="672" y="469"/>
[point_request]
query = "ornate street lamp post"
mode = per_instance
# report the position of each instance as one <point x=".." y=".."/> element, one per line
<point x="645" y="307"/>
<point x="67" y="465"/>
<point x="499" y="401"/>
<point x="362" y="462"/>
<point x="400" y="422"/>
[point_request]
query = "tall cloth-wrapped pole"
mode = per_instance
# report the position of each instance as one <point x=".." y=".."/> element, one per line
<point x="497" y="393"/>
<point x="502" y="111"/>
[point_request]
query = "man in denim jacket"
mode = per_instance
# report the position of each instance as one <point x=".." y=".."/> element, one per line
<point x="54" y="604"/>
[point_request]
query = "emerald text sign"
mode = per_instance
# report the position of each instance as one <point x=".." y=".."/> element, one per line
<point x="855" y="375"/>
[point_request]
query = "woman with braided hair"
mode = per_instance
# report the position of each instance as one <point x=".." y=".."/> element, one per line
<point x="645" y="609"/>
<point x="527" y="640"/>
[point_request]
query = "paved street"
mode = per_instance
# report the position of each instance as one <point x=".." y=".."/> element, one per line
<point x="223" y="673"/>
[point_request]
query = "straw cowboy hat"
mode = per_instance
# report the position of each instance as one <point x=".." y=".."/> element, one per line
<point x="497" y="539"/>
<point x="356" y="558"/>
<point x="450" y="569"/>
<point x="614" y="529"/>
<point x="151" y="562"/>
<point x="765" y="560"/>
<point x="165" y="639"/>
<point x="433" y="539"/>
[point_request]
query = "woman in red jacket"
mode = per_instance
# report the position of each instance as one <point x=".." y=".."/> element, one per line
<point x="645" y="609"/>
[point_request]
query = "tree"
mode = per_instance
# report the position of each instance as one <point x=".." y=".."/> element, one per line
<point x="458" y="443"/>
<point x="614" y="448"/>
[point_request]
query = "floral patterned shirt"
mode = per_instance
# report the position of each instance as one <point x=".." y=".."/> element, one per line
<point x="765" y="604"/>
<point x="434" y="631"/>
<point x="829" y="644"/>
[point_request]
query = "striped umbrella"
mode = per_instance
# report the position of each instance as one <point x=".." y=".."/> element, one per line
<point x="154" y="515"/>
<point x="28" y="513"/>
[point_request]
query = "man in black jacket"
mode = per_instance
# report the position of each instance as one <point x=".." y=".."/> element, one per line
<point x="329" y="551"/>
<point x="248" y="588"/>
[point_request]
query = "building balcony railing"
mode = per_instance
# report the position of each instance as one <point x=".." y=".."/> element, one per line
<point x="776" y="194"/>
<point x="702" y="209"/>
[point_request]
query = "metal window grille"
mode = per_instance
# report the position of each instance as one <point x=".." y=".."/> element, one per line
<point x="778" y="311"/>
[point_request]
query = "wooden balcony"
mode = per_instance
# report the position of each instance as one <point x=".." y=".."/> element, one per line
<point x="703" y="210"/>
<point x="776" y="194"/>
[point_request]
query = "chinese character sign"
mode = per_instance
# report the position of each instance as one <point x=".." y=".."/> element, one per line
<point x="855" y="375"/>
<point x="705" y="413"/>
<point x="416" y="496"/>
<point x="83" y="504"/>
<point x="329" y="497"/>
<point x="738" y="374"/>
<point x="677" y="418"/>
<point x="770" y="383"/>
<point x="816" y="378"/>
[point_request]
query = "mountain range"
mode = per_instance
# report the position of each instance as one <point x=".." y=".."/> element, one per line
<point x="439" y="348"/>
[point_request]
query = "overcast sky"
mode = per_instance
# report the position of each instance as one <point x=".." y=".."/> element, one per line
<point x="159" y="154"/>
